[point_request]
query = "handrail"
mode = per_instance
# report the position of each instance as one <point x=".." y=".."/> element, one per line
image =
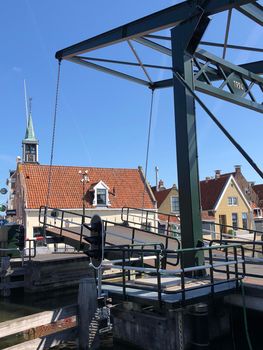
<point x="106" y="222"/>
<point x="127" y="266"/>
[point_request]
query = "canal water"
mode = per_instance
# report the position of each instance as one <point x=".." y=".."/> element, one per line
<point x="20" y="304"/>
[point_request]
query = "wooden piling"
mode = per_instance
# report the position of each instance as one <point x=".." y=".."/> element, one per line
<point x="87" y="315"/>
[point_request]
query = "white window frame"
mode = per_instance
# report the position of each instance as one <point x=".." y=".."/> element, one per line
<point x="171" y="203"/>
<point x="101" y="186"/>
<point x="232" y="201"/>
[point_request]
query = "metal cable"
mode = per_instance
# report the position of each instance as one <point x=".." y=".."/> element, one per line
<point x="147" y="150"/>
<point x="53" y="136"/>
<point x="217" y="122"/>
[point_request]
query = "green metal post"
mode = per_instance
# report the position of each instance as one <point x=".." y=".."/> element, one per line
<point x="185" y="38"/>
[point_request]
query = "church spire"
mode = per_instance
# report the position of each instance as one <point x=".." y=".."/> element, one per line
<point x="30" y="143"/>
<point x="30" y="133"/>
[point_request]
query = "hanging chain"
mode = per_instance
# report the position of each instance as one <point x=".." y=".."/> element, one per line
<point x="147" y="151"/>
<point x="53" y="136"/>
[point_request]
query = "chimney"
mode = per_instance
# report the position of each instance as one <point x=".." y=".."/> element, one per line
<point x="161" y="185"/>
<point x="237" y="168"/>
<point x="217" y="174"/>
<point x="207" y="179"/>
<point x="18" y="159"/>
<point x="252" y="183"/>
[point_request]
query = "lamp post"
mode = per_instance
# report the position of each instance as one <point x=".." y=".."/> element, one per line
<point x="84" y="180"/>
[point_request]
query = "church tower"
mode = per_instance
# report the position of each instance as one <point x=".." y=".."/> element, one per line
<point x="30" y="144"/>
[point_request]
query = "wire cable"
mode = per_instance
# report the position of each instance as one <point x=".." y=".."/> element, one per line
<point x="52" y="146"/>
<point x="53" y="135"/>
<point x="148" y="147"/>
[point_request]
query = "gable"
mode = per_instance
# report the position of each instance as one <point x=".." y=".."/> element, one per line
<point x="232" y="190"/>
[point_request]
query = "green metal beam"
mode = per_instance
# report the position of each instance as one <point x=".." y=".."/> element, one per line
<point x="109" y="71"/>
<point x="167" y="18"/>
<point x="186" y="137"/>
<point x="253" y="11"/>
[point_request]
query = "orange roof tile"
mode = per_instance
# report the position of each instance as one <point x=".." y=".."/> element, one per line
<point x="66" y="187"/>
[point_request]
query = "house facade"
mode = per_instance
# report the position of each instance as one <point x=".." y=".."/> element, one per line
<point x="223" y="199"/>
<point x="168" y="208"/>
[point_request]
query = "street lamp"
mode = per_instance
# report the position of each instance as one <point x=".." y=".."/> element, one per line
<point x="84" y="180"/>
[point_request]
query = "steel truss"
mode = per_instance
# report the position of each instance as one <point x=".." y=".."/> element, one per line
<point x="199" y="69"/>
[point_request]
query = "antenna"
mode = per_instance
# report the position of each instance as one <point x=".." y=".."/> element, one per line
<point x="26" y="102"/>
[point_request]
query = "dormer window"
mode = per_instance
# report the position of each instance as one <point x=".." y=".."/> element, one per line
<point x="101" y="194"/>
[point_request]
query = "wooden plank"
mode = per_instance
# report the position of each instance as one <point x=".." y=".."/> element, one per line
<point x="24" y="323"/>
<point x="46" y="342"/>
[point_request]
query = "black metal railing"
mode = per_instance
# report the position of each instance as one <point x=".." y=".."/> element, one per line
<point x="150" y="219"/>
<point x="252" y="247"/>
<point x="72" y="222"/>
<point x="232" y="269"/>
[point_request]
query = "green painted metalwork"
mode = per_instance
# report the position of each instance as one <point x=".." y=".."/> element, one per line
<point x="200" y="70"/>
<point x="186" y="137"/>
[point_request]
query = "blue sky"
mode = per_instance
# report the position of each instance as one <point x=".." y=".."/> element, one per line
<point x="103" y="120"/>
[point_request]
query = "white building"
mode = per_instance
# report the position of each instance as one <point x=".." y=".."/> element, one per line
<point x="104" y="191"/>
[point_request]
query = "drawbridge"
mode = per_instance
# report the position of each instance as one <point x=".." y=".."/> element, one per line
<point x="143" y="265"/>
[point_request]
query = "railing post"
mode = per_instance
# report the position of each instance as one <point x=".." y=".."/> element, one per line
<point x="123" y="275"/>
<point x="81" y="231"/>
<point x="236" y="266"/>
<point x="254" y="245"/>
<point x="62" y="221"/>
<point x="159" y="286"/>
<point x="211" y="270"/>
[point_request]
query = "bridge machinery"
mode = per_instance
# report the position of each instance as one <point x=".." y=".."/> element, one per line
<point x="192" y="69"/>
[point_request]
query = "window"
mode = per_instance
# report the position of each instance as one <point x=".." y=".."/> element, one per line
<point x="175" y="204"/>
<point x="31" y="149"/>
<point x="234" y="221"/>
<point x="37" y="231"/>
<point x="101" y="196"/>
<point x="244" y="220"/>
<point x="161" y="228"/>
<point x="232" y="200"/>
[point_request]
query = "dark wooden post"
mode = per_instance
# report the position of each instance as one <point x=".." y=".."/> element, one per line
<point x="87" y="321"/>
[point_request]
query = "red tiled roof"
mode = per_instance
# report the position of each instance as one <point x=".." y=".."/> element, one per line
<point x="161" y="195"/>
<point x="259" y="190"/>
<point x="211" y="190"/>
<point x="66" y="187"/>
